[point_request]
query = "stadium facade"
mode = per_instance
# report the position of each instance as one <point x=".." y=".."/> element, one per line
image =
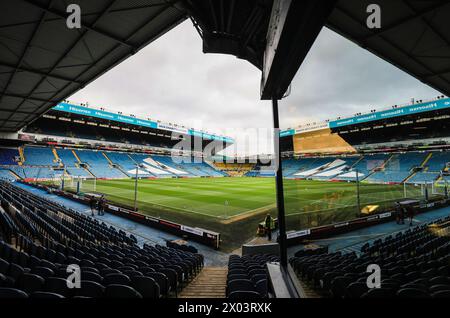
<point x="334" y="171"/>
<point x="73" y="144"/>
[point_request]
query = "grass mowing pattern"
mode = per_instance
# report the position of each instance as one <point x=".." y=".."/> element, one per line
<point x="208" y="202"/>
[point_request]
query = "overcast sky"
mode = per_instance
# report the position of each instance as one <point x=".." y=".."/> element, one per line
<point x="173" y="81"/>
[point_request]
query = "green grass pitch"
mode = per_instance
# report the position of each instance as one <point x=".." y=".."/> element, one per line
<point x="224" y="198"/>
<point x="207" y="197"/>
<point x="235" y="206"/>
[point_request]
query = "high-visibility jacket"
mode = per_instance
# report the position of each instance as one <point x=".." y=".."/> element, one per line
<point x="269" y="223"/>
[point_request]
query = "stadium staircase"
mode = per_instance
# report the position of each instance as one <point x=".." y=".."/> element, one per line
<point x="356" y="162"/>
<point x="15" y="175"/>
<point x="308" y="289"/>
<point x="428" y="157"/>
<point x="210" y="283"/>
<point x="116" y="165"/>
<point x="79" y="161"/>
<point x="409" y="177"/>
<point x="380" y="168"/>
<point x="386" y="162"/>
<point x="424" y="162"/>
<point x="76" y="156"/>
<point x="22" y="156"/>
<point x="107" y="158"/>
<point x="57" y="159"/>
<point x="89" y="171"/>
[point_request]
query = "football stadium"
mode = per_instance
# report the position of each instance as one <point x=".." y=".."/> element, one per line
<point x="101" y="203"/>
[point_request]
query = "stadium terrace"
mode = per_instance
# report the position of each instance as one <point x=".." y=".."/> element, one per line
<point x="101" y="204"/>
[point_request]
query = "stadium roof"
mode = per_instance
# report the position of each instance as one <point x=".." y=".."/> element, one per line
<point x="42" y="61"/>
<point x="414" y="35"/>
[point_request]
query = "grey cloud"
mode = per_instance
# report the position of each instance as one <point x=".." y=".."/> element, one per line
<point x="172" y="80"/>
<point x="339" y="78"/>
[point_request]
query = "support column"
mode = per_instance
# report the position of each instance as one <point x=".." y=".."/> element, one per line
<point x="135" y="187"/>
<point x="358" y="199"/>
<point x="279" y="185"/>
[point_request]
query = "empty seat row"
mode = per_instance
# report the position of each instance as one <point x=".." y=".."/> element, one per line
<point x="413" y="263"/>
<point x="48" y="238"/>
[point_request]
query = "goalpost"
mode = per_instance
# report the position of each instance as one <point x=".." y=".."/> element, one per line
<point x="83" y="184"/>
<point x="440" y="188"/>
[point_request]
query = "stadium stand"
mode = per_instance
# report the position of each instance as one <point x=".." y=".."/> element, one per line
<point x="71" y="163"/>
<point x="98" y="164"/>
<point x="33" y="172"/>
<point x="234" y="169"/>
<point x="319" y="165"/>
<point x="376" y="168"/>
<point x="46" y="126"/>
<point x="123" y="161"/>
<point x="409" y="167"/>
<point x="423" y="177"/>
<point x="6" y="175"/>
<point x="260" y="171"/>
<point x="415" y="263"/>
<point x="292" y="166"/>
<point x="39" y="156"/>
<point x="197" y="167"/>
<point x="364" y="166"/>
<point x="432" y="168"/>
<point x="247" y="276"/>
<point x="41" y="238"/>
<point x="398" y="167"/>
<point x="67" y="157"/>
<point x="39" y="163"/>
<point x="335" y="168"/>
<point x="7" y="156"/>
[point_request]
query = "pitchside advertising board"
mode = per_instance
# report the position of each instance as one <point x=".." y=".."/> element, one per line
<point x="206" y="237"/>
<point x="391" y="113"/>
<point x="197" y="234"/>
<point x="97" y="113"/>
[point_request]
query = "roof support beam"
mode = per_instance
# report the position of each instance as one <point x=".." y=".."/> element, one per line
<point x="83" y="26"/>
<point x="444" y="72"/>
<point x="416" y="15"/>
<point x="394" y="45"/>
<point x="213" y="13"/>
<point x="15" y="112"/>
<point x="25" y="51"/>
<point x="14" y="121"/>
<point x="230" y="16"/>
<point x="68" y="50"/>
<point x="4" y="26"/>
<point x="38" y="72"/>
<point x="8" y="94"/>
<point x="431" y="26"/>
<point x="42" y="110"/>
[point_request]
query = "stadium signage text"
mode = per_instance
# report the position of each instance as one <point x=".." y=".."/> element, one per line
<point x="385" y="215"/>
<point x="298" y="233"/>
<point x="403" y="111"/>
<point x="407" y="110"/>
<point x="192" y="230"/>
<point x="81" y="110"/>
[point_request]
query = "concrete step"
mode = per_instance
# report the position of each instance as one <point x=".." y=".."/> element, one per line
<point x="210" y="283"/>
